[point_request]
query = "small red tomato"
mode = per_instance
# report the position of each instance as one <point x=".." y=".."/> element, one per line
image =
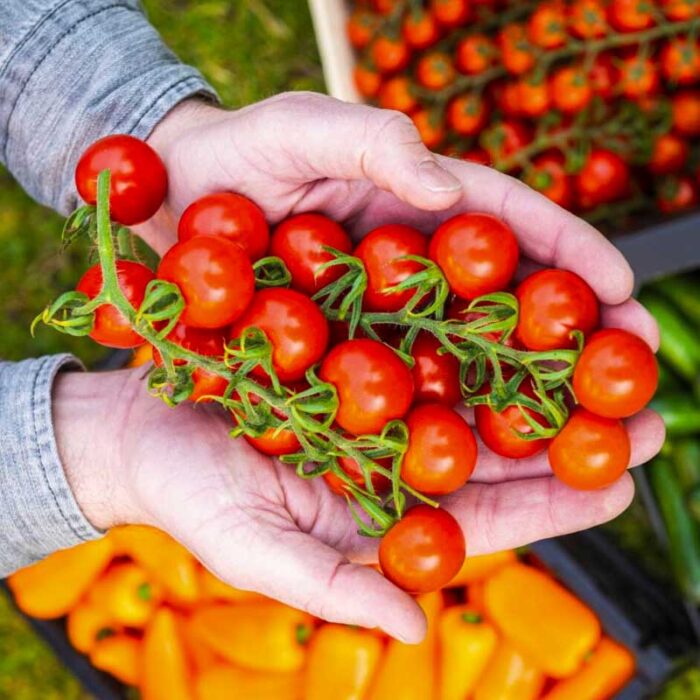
<point x="680" y="10"/>
<point x="423" y="551"/>
<point x="590" y="452"/>
<point x="477" y="155"/>
<point x="603" y="178"/>
<point x="533" y="97"/>
<point x="390" y="54"/>
<point x="680" y="61"/>
<point x="362" y="25"/>
<point x="507" y="97"/>
<point x="430" y="127"/>
<point x="546" y="27"/>
<point x="548" y="176"/>
<point x="441" y="452"/>
<point x="204" y="341"/>
<point x="230" y="216"/>
<point x="294" y="325"/>
<point x="215" y="277"/>
<point x="570" y="89"/>
<point x="384" y="7"/>
<point x="505" y="139"/>
<point x="420" y="29"/>
<point x="275" y="442"/>
<point x="685" y="106"/>
<point x="630" y="15"/>
<point x="451" y="13"/>
<point x="435" y="70"/>
<point x="374" y="385"/>
<point x="477" y="253"/>
<point x="616" y="375"/>
<point x="517" y="53"/>
<point x="503" y="432"/>
<point x="300" y="241"/>
<point x="435" y="374"/>
<point x="639" y="76"/>
<point x="138" y="182"/>
<point x="553" y="303"/>
<point x="350" y="466"/>
<point x="367" y="81"/>
<point x="587" y="19"/>
<point x="397" y="93"/>
<point x="381" y="251"/>
<point x="669" y="154"/>
<point x="475" y="53"/>
<point x="111" y="327"/>
<point x="467" y="114"/>
<point x="676" y="193"/>
<point x="603" y="76"/>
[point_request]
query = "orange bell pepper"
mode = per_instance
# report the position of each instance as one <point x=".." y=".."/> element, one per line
<point x="225" y="682"/>
<point x="165" y="673"/>
<point x="128" y="595"/>
<point x="261" y="636"/>
<point x="167" y="561"/>
<point x="604" y="673"/>
<point x="214" y="589"/>
<point x="87" y="623"/>
<point x="341" y="663"/>
<point x="52" y="587"/>
<point x="198" y="651"/>
<point x="408" y="670"/>
<point x="509" y="676"/>
<point x="119" y="655"/>
<point x="552" y="627"/>
<point x="481" y="567"/>
<point x="466" y="646"/>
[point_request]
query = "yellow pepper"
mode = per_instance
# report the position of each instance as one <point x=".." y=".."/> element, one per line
<point x="119" y="655"/>
<point x="509" y="676"/>
<point x="87" y="623"/>
<point x="225" y="682"/>
<point x="479" y="568"/>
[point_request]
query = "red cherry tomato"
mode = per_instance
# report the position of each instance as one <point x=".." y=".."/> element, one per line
<point x="381" y="252"/>
<point x="517" y="53"/>
<point x="374" y="385"/>
<point x="553" y="303"/>
<point x="680" y="61"/>
<point x="475" y="53"/>
<point x="685" y="107"/>
<point x="423" y="551"/>
<point x="389" y="54"/>
<point x="420" y="29"/>
<point x="451" y="13"/>
<point x="138" y="183"/>
<point x="603" y="178"/>
<point x="300" y="242"/>
<point x="441" y="452"/>
<point x="533" y="96"/>
<point x="547" y="25"/>
<point x="430" y="127"/>
<point x="275" y="442"/>
<point x="669" y="154"/>
<point x="477" y="155"/>
<point x="111" y="327"/>
<point x="570" y="89"/>
<point x="435" y="70"/>
<point x="680" y="10"/>
<point x="467" y="114"/>
<point x="435" y="375"/>
<point x="367" y="81"/>
<point x="350" y="466"/>
<point x="397" y="93"/>
<point x="630" y="15"/>
<point x="361" y="27"/>
<point x="477" y="252"/>
<point x="676" y="193"/>
<point x="230" y="216"/>
<point x="294" y="325"/>
<point x="548" y="176"/>
<point x="616" y="374"/>
<point x="587" y="19"/>
<point x="505" y="139"/>
<point x="215" y="277"/>
<point x="590" y="451"/>
<point x="603" y="76"/>
<point x="639" y="76"/>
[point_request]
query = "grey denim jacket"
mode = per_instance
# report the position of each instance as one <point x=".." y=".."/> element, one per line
<point x="71" y="71"/>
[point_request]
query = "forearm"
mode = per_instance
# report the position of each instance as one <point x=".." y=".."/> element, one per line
<point x="72" y="71"/>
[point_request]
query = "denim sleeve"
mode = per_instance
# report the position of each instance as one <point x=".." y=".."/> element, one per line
<point x="72" y="71"/>
<point x="38" y="513"/>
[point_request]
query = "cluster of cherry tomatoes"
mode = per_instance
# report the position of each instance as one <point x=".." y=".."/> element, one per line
<point x="592" y="102"/>
<point x="352" y="363"/>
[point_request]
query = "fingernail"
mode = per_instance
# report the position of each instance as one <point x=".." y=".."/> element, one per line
<point x="436" y="179"/>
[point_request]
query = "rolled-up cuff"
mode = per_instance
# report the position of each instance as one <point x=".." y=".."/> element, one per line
<point x="38" y="513"/>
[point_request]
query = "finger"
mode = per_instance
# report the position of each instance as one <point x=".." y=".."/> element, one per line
<point x="633" y="317"/>
<point x="512" y="514"/>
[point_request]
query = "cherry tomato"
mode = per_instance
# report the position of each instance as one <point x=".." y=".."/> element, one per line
<point x="507" y="97"/>
<point x="111" y="327"/>
<point x="616" y="374"/>
<point x="603" y="76"/>
<point x="548" y="176"/>
<point x="506" y="139"/>
<point x="638" y="76"/>
<point x="477" y="155"/>
<point x="204" y="341"/>
<point x="397" y="93"/>
<point x="435" y="374"/>
<point x="361" y="27"/>
<point x="300" y="240"/>
<point x="420" y="29"/>
<point x="553" y="303"/>
<point x="500" y="432"/>
<point x="350" y="466"/>
<point x="517" y="54"/>
<point x="630" y="15"/>
<point x="230" y="216"/>
<point x="477" y="253"/>
<point x="570" y="89"/>
<point x="381" y="252"/>
<point x="685" y="106"/>
<point x="374" y="385"/>
<point x="430" y="127"/>
<point x="603" y="178"/>
<point x="669" y="154"/>
<point x="441" y="452"/>
<point x="680" y="61"/>
<point x="294" y="325"/>
<point x="587" y="19"/>
<point x="533" y="97"/>
<point x="467" y="114"/>
<point x="390" y="54"/>
<point x="451" y="13"/>
<point x="215" y="277"/>
<point x="547" y="25"/>
<point x="384" y="7"/>
<point x="680" y="10"/>
<point x="590" y="451"/>
<point x="423" y="551"/>
<point x="676" y="193"/>
<point x="138" y="182"/>
<point x="435" y="70"/>
<point x="475" y="53"/>
<point x="275" y="443"/>
<point x="367" y="81"/>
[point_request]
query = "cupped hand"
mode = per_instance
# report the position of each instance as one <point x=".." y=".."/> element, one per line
<point x="250" y="519"/>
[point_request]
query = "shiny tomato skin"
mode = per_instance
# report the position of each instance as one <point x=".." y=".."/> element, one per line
<point x="294" y="325"/>
<point x="275" y="443"/>
<point x="423" y="551"/>
<point x="300" y="240"/>
<point x="553" y="303"/>
<point x="230" y="216"/>
<point x="215" y="277"/>
<point x="350" y="466"/>
<point x="435" y="375"/>
<point x="616" y="375"/>
<point x="380" y="251"/>
<point x="603" y="178"/>
<point x="138" y="182"/>
<point x="478" y="254"/>
<point x="441" y="453"/>
<point x="111" y="328"/>
<point x="374" y="385"/>
<point x="590" y="452"/>
<point x="669" y="154"/>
